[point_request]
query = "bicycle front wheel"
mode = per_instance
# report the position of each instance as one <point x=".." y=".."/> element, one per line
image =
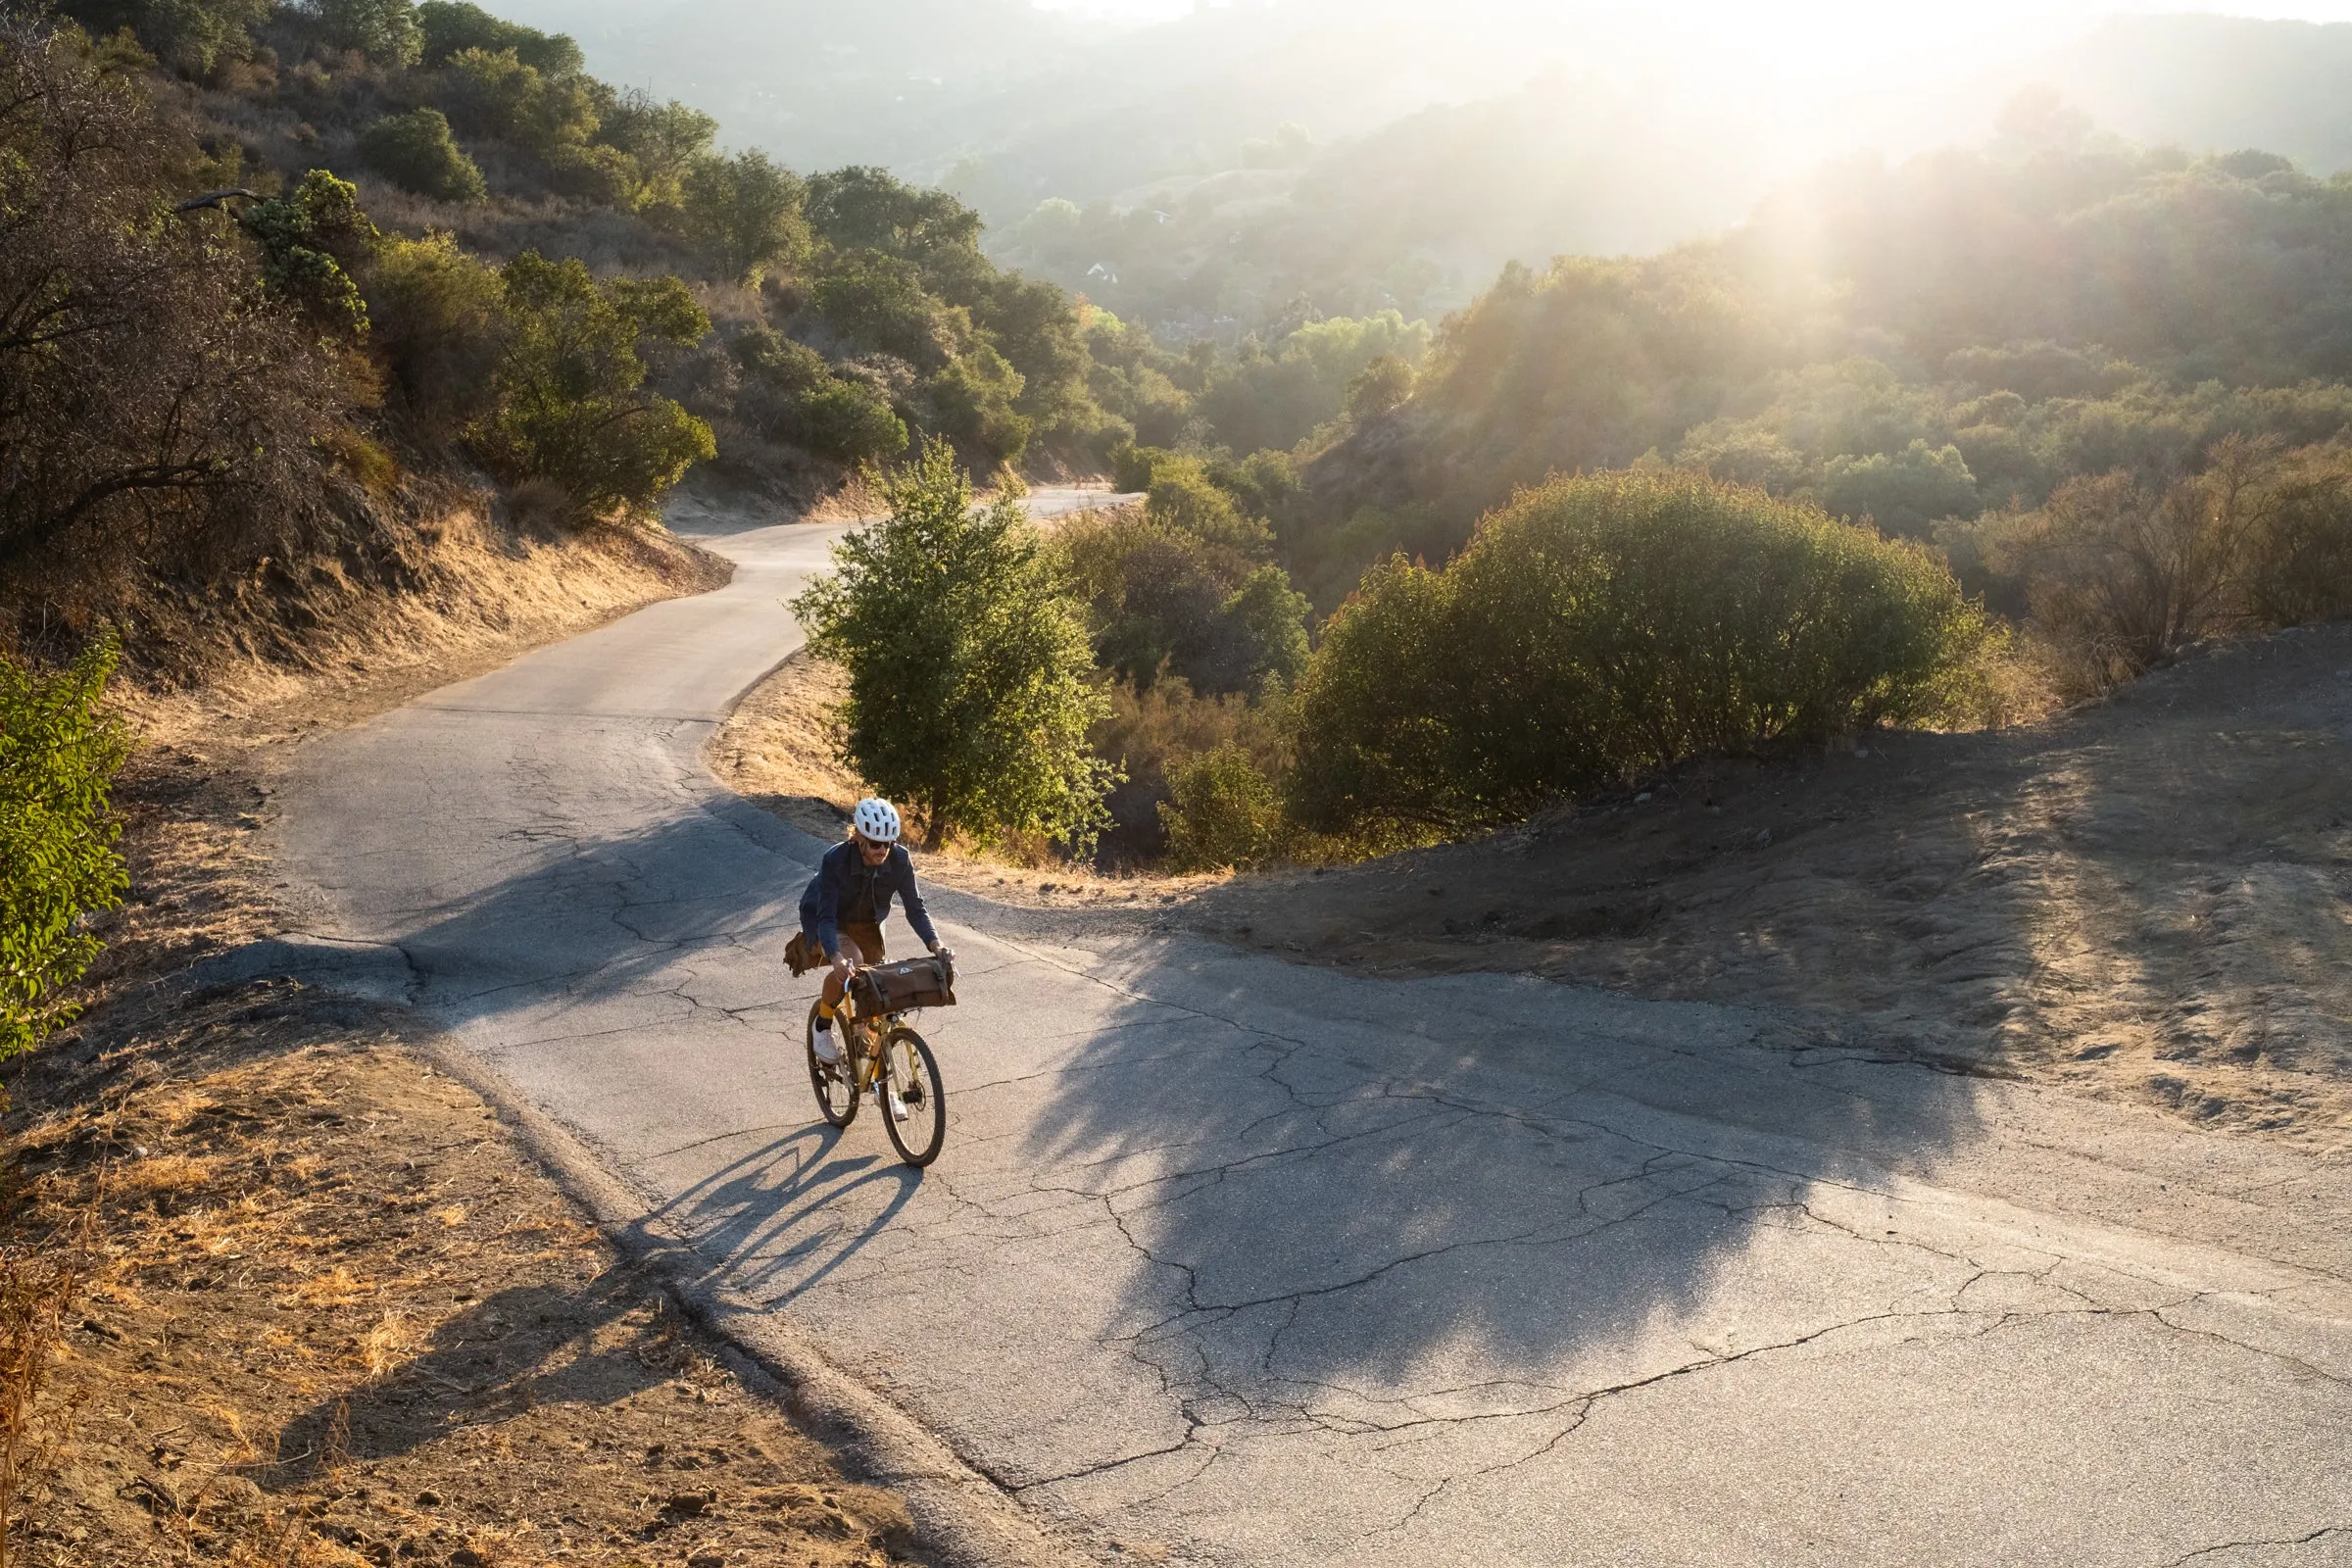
<point x="836" y="1088"/>
<point x="914" y="1106"/>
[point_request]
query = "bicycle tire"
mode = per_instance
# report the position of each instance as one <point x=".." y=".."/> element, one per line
<point x="831" y="1079"/>
<point x="919" y="1138"/>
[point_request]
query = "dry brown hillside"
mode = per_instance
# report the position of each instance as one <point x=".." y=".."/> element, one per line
<point x="2150" y="899"/>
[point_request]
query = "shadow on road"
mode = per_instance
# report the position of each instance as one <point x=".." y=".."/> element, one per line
<point x="1299" y="1179"/>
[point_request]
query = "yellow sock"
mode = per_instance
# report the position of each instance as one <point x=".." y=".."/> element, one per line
<point x="824" y="1010"/>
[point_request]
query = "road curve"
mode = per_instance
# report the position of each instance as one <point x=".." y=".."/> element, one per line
<point x="1234" y="1261"/>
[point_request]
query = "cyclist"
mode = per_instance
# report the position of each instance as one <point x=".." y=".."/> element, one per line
<point x="848" y="900"/>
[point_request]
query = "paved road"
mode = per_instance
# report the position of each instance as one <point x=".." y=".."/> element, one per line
<point x="1233" y="1261"/>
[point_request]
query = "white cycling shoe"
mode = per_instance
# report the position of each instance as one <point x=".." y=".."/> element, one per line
<point x="828" y="1051"/>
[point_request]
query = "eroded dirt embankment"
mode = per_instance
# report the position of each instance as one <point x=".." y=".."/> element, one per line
<point x="2150" y="899"/>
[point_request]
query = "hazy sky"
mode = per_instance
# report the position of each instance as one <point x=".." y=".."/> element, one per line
<point x="1822" y="36"/>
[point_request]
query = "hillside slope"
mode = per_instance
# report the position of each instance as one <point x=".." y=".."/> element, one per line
<point x="2149" y="900"/>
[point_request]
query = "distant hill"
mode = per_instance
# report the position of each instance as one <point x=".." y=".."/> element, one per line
<point x="2217" y="84"/>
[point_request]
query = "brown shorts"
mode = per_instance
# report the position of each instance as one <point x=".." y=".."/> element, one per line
<point x="859" y="944"/>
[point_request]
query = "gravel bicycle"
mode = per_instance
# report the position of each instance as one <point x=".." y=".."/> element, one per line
<point x="883" y="1059"/>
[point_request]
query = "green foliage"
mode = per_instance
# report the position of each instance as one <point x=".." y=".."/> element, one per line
<point x="968" y="671"/>
<point x="570" y="406"/>
<point x="1272" y="398"/>
<point x="58" y="750"/>
<point x="850" y="423"/>
<point x="188" y="37"/>
<point x="1382" y="386"/>
<point x="1901" y="492"/>
<point x="866" y="209"/>
<point x="662" y="141"/>
<point x="312" y="239"/>
<point x="1608" y="624"/>
<point x="878" y="302"/>
<point x="453" y="27"/>
<point x="1222" y="811"/>
<point x="497" y="94"/>
<point x="1183" y="498"/>
<point x="744" y="213"/>
<point x="1159" y="598"/>
<point x="440" y="323"/>
<point x="417" y="152"/>
<point x="384" y="30"/>
<point x="977" y="399"/>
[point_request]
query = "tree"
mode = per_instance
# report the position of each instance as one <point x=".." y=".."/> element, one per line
<point x="384" y="30"/>
<point x="190" y="36"/>
<point x="156" y="402"/>
<point x="744" y="213"/>
<point x="453" y="26"/>
<point x="1387" y="384"/>
<point x="570" y="401"/>
<point x="417" y="152"/>
<point x="969" y="692"/>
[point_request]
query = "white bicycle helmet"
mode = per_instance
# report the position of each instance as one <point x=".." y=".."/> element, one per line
<point x="876" y="820"/>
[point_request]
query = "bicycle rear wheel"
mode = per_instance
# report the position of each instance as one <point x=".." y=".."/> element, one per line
<point x="836" y="1090"/>
<point x="910" y="1084"/>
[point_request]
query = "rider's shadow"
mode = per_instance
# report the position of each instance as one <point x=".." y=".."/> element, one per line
<point x="790" y="1215"/>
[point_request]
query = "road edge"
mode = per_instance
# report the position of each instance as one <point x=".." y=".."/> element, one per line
<point x="962" y="1519"/>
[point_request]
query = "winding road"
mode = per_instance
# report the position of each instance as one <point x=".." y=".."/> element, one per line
<point x="1235" y="1261"/>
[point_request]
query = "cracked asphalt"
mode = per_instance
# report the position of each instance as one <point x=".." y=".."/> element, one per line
<point x="1235" y="1261"/>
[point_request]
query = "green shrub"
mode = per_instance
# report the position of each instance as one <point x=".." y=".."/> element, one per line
<point x="58" y="750"/>
<point x="440" y="323"/>
<point x="744" y="213"/>
<point x="453" y="26"/>
<point x="384" y="30"/>
<point x="570" y="406"/>
<point x="496" y="94"/>
<point x="1159" y="598"/>
<point x="969" y="692"/>
<point x="850" y="423"/>
<point x="1605" y="626"/>
<point x="314" y="238"/>
<point x="1221" y="811"/>
<point x="190" y="36"/>
<point x="973" y="400"/>
<point x="416" y="152"/>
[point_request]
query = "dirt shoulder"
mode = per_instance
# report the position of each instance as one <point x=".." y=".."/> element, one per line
<point x="329" y="1309"/>
<point x="2150" y="900"/>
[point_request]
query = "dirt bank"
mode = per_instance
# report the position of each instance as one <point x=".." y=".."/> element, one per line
<point x="328" y="1311"/>
<point x="2149" y="900"/>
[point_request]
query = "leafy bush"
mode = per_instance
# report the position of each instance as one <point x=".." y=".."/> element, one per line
<point x="453" y="26"/>
<point x="1160" y="599"/>
<point x="190" y="36"/>
<point x="1222" y="811"/>
<point x="1604" y="625"/>
<point x="969" y="695"/>
<point x="744" y="213"/>
<point x="417" y="151"/>
<point x="850" y="423"/>
<point x="440" y="323"/>
<point x="1185" y="499"/>
<point x="1385" y="384"/>
<point x="569" y="408"/>
<point x="975" y="405"/>
<point x="312" y="240"/>
<point x="1903" y="492"/>
<point x="384" y="30"/>
<point x="58" y="867"/>
<point x="497" y="94"/>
